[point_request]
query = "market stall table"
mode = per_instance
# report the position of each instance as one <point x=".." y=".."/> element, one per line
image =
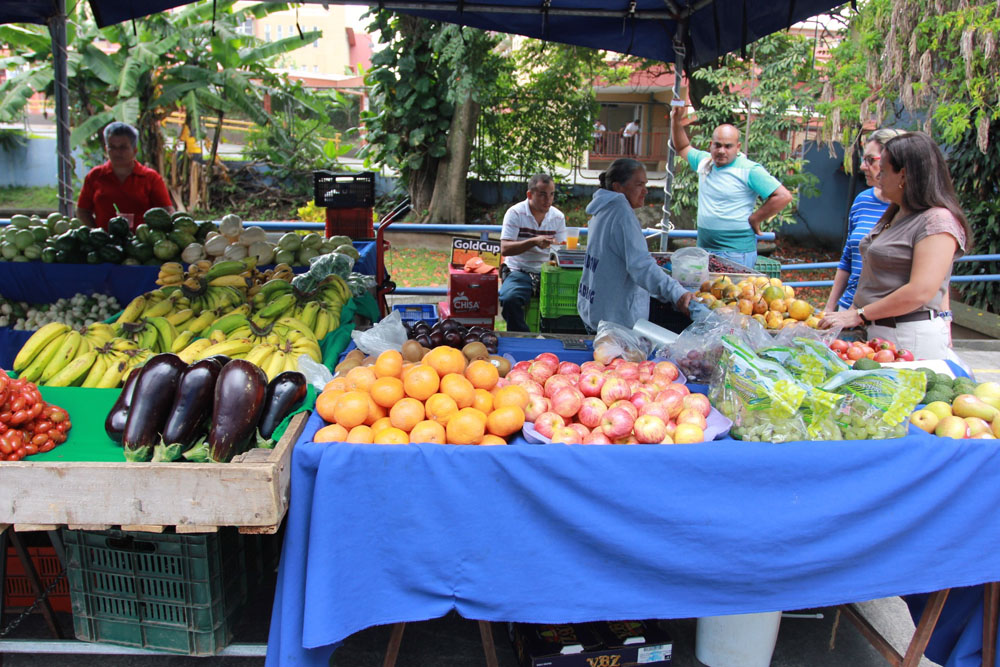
<point x="562" y="533"/>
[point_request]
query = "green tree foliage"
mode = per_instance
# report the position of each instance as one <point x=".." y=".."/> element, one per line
<point x="416" y="81"/>
<point x="544" y="109"/>
<point x="194" y="60"/>
<point x="770" y="97"/>
<point x="938" y="61"/>
<point x="977" y="181"/>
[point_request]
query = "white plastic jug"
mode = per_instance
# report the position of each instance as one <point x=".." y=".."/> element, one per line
<point x="739" y="640"/>
<point x="689" y="267"/>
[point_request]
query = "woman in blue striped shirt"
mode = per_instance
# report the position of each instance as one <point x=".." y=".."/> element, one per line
<point x="868" y="207"/>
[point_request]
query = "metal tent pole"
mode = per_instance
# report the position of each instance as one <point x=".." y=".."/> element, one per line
<point x="57" y="30"/>
<point x="666" y="225"/>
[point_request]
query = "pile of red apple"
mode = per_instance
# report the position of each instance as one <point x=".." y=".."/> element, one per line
<point x="623" y="402"/>
<point x="877" y="349"/>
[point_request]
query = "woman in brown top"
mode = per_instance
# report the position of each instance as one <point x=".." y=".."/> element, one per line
<point x="908" y="255"/>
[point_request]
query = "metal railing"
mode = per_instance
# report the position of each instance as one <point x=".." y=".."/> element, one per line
<point x="646" y="146"/>
<point x="485" y="230"/>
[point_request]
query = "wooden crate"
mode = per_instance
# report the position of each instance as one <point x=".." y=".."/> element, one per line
<point x="251" y="492"/>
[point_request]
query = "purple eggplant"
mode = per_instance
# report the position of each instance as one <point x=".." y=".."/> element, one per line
<point x="190" y="411"/>
<point x="114" y="425"/>
<point x="239" y="402"/>
<point x="151" y="401"/>
<point x="285" y="393"/>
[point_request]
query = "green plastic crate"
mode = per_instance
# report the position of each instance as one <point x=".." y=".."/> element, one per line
<point x="531" y="316"/>
<point x="167" y="592"/>
<point x="767" y="266"/>
<point x="558" y="293"/>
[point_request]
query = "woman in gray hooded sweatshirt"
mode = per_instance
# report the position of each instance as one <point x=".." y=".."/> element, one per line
<point x="619" y="275"/>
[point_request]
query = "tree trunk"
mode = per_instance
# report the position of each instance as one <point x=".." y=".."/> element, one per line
<point x="448" y="202"/>
<point x="421" y="188"/>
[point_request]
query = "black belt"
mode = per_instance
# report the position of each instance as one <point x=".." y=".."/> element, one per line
<point x="919" y="316"/>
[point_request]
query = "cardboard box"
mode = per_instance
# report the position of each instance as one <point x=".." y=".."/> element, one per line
<point x="598" y="644"/>
<point x="473" y="294"/>
<point x="444" y="312"/>
<point x="462" y="250"/>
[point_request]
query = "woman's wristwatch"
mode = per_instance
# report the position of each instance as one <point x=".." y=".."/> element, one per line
<point x="861" y="314"/>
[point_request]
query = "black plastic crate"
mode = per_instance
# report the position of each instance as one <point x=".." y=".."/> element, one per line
<point x="344" y="190"/>
<point x="567" y="324"/>
<point x="168" y="592"/>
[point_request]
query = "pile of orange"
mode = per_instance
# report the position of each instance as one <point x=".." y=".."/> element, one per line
<point x="442" y="399"/>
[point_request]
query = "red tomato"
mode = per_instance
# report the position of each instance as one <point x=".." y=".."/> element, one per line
<point x="55" y="414"/>
<point x="884" y="355"/>
<point x="47" y="447"/>
<point x="839" y="345"/>
<point x="10" y="441"/>
<point x="855" y="352"/>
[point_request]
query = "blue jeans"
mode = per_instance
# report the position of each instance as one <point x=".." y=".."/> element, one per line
<point x="515" y="295"/>
<point x="747" y="259"/>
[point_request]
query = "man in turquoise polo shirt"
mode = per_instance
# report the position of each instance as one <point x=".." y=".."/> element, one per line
<point x="728" y="187"/>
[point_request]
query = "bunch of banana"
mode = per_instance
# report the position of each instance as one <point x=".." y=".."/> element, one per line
<point x="279" y="272"/>
<point x="275" y="296"/>
<point x="59" y="356"/>
<point x="171" y="273"/>
<point x="156" y="334"/>
<point x="111" y="364"/>
<point x="209" y="297"/>
<point x="274" y="359"/>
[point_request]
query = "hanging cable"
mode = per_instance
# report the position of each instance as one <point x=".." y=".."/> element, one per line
<point x="546" y="5"/>
<point x="680" y="52"/>
<point x="297" y="26"/>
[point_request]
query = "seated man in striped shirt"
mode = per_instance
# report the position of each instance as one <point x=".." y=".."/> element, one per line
<point x="529" y="228"/>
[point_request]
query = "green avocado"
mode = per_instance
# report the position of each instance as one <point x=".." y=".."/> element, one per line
<point x="866" y="365"/>
<point x="943" y="378"/>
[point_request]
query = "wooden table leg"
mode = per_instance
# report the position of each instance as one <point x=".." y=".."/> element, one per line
<point x="392" y="649"/>
<point x="925" y="628"/>
<point x="871" y="633"/>
<point x="991" y="603"/>
<point x="486" y="633"/>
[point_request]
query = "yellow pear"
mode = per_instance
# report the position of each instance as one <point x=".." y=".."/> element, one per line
<point x="778" y="306"/>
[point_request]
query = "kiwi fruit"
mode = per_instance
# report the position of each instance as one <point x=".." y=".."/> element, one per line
<point x="474" y="349"/>
<point x="346" y="365"/>
<point x="412" y="351"/>
<point x="502" y="364"/>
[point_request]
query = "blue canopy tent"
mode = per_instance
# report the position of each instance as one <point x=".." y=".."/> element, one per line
<point x="688" y="33"/>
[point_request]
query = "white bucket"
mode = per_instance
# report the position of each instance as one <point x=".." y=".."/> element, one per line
<point x="738" y="640"/>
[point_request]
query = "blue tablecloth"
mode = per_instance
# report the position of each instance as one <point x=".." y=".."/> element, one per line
<point x="38" y="282"/>
<point x="11" y="341"/>
<point x="366" y="264"/>
<point x="380" y="534"/>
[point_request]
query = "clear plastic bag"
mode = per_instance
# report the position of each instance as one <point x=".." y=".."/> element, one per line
<point x="322" y="266"/>
<point x="360" y="283"/>
<point x="689" y="267"/>
<point x="802" y="330"/>
<point x="388" y="334"/>
<point x="613" y="341"/>
<point x="766" y="402"/>
<point x="877" y="403"/>
<point x="697" y="350"/>
<point x="811" y="361"/>
<point x="316" y="373"/>
<point x="759" y="396"/>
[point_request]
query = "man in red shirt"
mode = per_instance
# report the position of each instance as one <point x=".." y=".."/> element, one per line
<point x="120" y="182"/>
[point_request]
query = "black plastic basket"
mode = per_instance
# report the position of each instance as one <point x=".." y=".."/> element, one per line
<point x="334" y="190"/>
